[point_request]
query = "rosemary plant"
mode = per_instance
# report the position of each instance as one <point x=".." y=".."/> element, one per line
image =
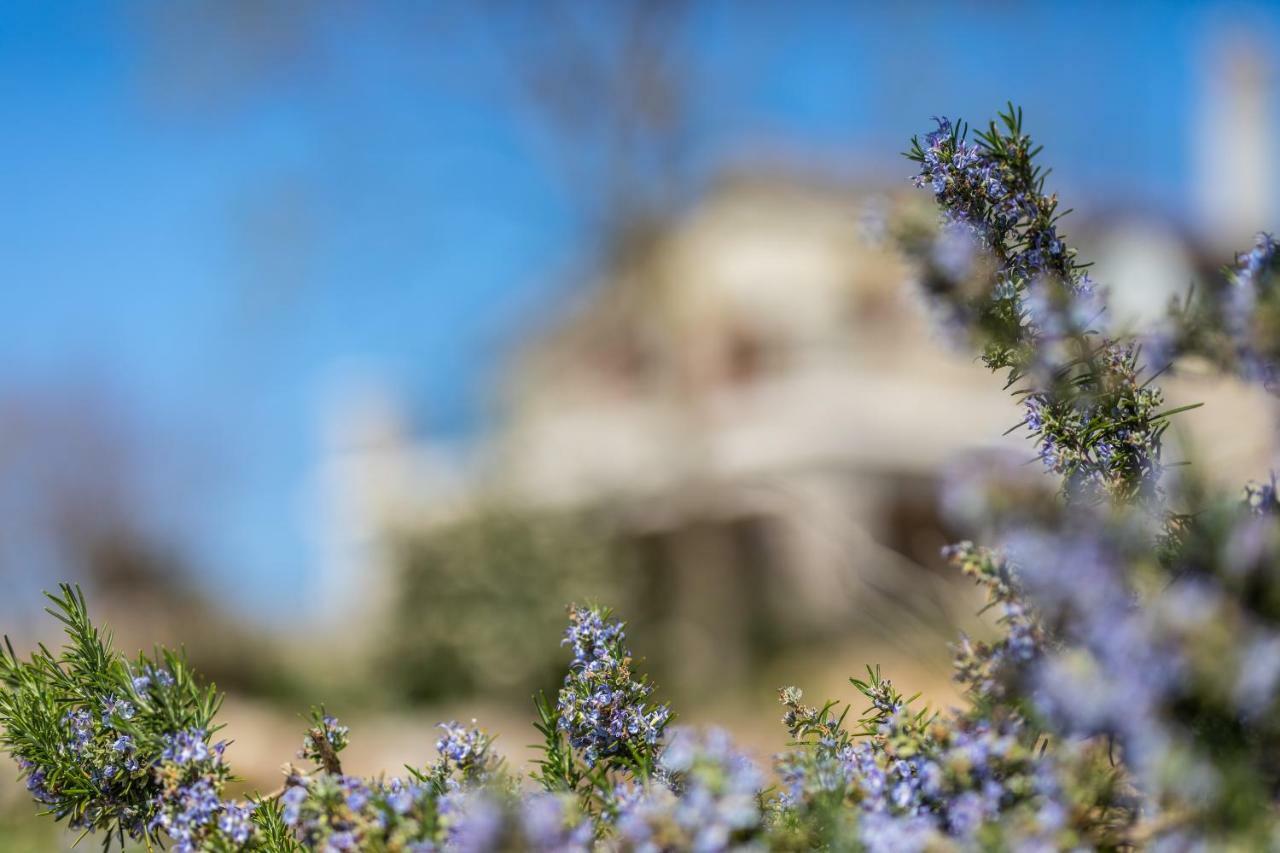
<point x="1130" y="699"/>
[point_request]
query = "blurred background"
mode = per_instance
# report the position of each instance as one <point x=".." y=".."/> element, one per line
<point x="345" y="343"/>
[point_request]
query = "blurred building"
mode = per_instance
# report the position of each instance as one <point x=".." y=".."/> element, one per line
<point x="755" y="403"/>
<point x="752" y="399"/>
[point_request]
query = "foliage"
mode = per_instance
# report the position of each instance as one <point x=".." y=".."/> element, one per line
<point x="470" y="594"/>
<point x="113" y="746"/>
<point x="1131" y="698"/>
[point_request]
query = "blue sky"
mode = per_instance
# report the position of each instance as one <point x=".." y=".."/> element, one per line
<point x="211" y="242"/>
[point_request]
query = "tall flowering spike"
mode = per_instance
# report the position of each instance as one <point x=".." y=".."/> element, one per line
<point x="602" y="708"/>
<point x="993" y="209"/>
<point x="1088" y="402"/>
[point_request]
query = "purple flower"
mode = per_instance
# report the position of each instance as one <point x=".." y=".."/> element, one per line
<point x="708" y="796"/>
<point x="186" y="747"/>
<point x="476" y="823"/>
<point x="236" y="822"/>
<point x="549" y="822"/>
<point x="115" y="707"/>
<point x="881" y="832"/>
<point x="293" y="798"/>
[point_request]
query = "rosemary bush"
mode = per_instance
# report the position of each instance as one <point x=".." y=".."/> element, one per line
<point x="1130" y="699"/>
